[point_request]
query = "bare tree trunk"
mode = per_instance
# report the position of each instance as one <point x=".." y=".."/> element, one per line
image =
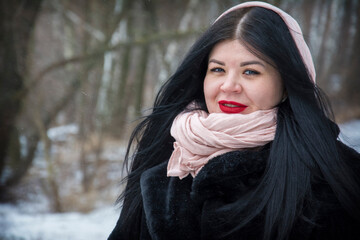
<point x="184" y="24"/>
<point x="51" y="176"/>
<point x="351" y="86"/>
<point x="342" y="56"/>
<point x="83" y="133"/>
<point x="17" y="19"/>
<point x="120" y="101"/>
<point x="320" y="63"/>
<point x="143" y="59"/>
<point x="308" y="8"/>
<point x="120" y="110"/>
<point x="154" y="26"/>
<point x="22" y="165"/>
<point x="140" y="79"/>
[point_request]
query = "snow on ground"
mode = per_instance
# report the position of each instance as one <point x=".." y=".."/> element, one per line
<point x="16" y="225"/>
<point x="350" y="134"/>
<point x="29" y="221"/>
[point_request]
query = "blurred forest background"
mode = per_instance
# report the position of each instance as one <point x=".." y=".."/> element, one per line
<point x="76" y="74"/>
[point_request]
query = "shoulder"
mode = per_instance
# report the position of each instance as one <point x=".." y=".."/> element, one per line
<point x="333" y="221"/>
<point x="352" y="159"/>
<point x="154" y="175"/>
<point x="348" y="153"/>
<point x="321" y="188"/>
<point x="167" y="206"/>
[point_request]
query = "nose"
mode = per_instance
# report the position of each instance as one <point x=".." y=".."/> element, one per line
<point x="231" y="83"/>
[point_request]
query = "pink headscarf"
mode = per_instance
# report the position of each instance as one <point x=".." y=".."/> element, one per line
<point x="294" y="29"/>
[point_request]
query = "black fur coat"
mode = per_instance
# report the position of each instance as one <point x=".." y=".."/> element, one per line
<point x="185" y="209"/>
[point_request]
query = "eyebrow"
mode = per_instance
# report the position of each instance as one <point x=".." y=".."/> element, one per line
<point x="217" y="61"/>
<point x="251" y="63"/>
<point x="241" y="64"/>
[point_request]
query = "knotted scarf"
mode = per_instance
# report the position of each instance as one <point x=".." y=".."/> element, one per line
<point x="200" y="136"/>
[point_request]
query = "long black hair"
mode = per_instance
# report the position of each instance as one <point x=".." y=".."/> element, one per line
<point x="304" y="149"/>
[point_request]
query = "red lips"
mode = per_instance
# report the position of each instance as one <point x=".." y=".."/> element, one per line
<point x="231" y="107"/>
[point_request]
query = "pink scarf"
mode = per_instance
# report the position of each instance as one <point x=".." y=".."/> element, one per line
<point x="201" y="136"/>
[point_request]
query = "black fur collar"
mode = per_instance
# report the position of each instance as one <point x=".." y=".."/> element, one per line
<point x="230" y="174"/>
<point x="164" y="197"/>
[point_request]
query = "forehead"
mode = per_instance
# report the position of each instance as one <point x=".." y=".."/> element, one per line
<point x="232" y="49"/>
<point x="235" y="50"/>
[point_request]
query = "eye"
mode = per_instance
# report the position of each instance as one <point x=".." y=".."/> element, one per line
<point x="217" y="69"/>
<point x="251" y="72"/>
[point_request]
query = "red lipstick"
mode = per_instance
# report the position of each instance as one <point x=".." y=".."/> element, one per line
<point x="231" y="107"/>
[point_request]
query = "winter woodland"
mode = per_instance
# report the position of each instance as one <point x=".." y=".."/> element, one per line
<point x="77" y="75"/>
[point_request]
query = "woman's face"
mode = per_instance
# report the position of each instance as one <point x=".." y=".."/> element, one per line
<point x="237" y="81"/>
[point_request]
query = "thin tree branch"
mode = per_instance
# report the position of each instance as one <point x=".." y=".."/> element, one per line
<point x="155" y="38"/>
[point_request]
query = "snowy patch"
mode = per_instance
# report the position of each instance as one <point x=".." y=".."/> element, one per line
<point x="61" y="133"/>
<point x="350" y="134"/>
<point x="14" y="224"/>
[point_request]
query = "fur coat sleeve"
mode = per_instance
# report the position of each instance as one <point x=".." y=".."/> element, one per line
<point x="191" y="208"/>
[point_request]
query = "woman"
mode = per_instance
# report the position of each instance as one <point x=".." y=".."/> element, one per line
<point x="240" y="144"/>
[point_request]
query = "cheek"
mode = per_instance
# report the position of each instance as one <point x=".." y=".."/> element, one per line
<point x="210" y="93"/>
<point x="268" y="95"/>
<point x="209" y="88"/>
